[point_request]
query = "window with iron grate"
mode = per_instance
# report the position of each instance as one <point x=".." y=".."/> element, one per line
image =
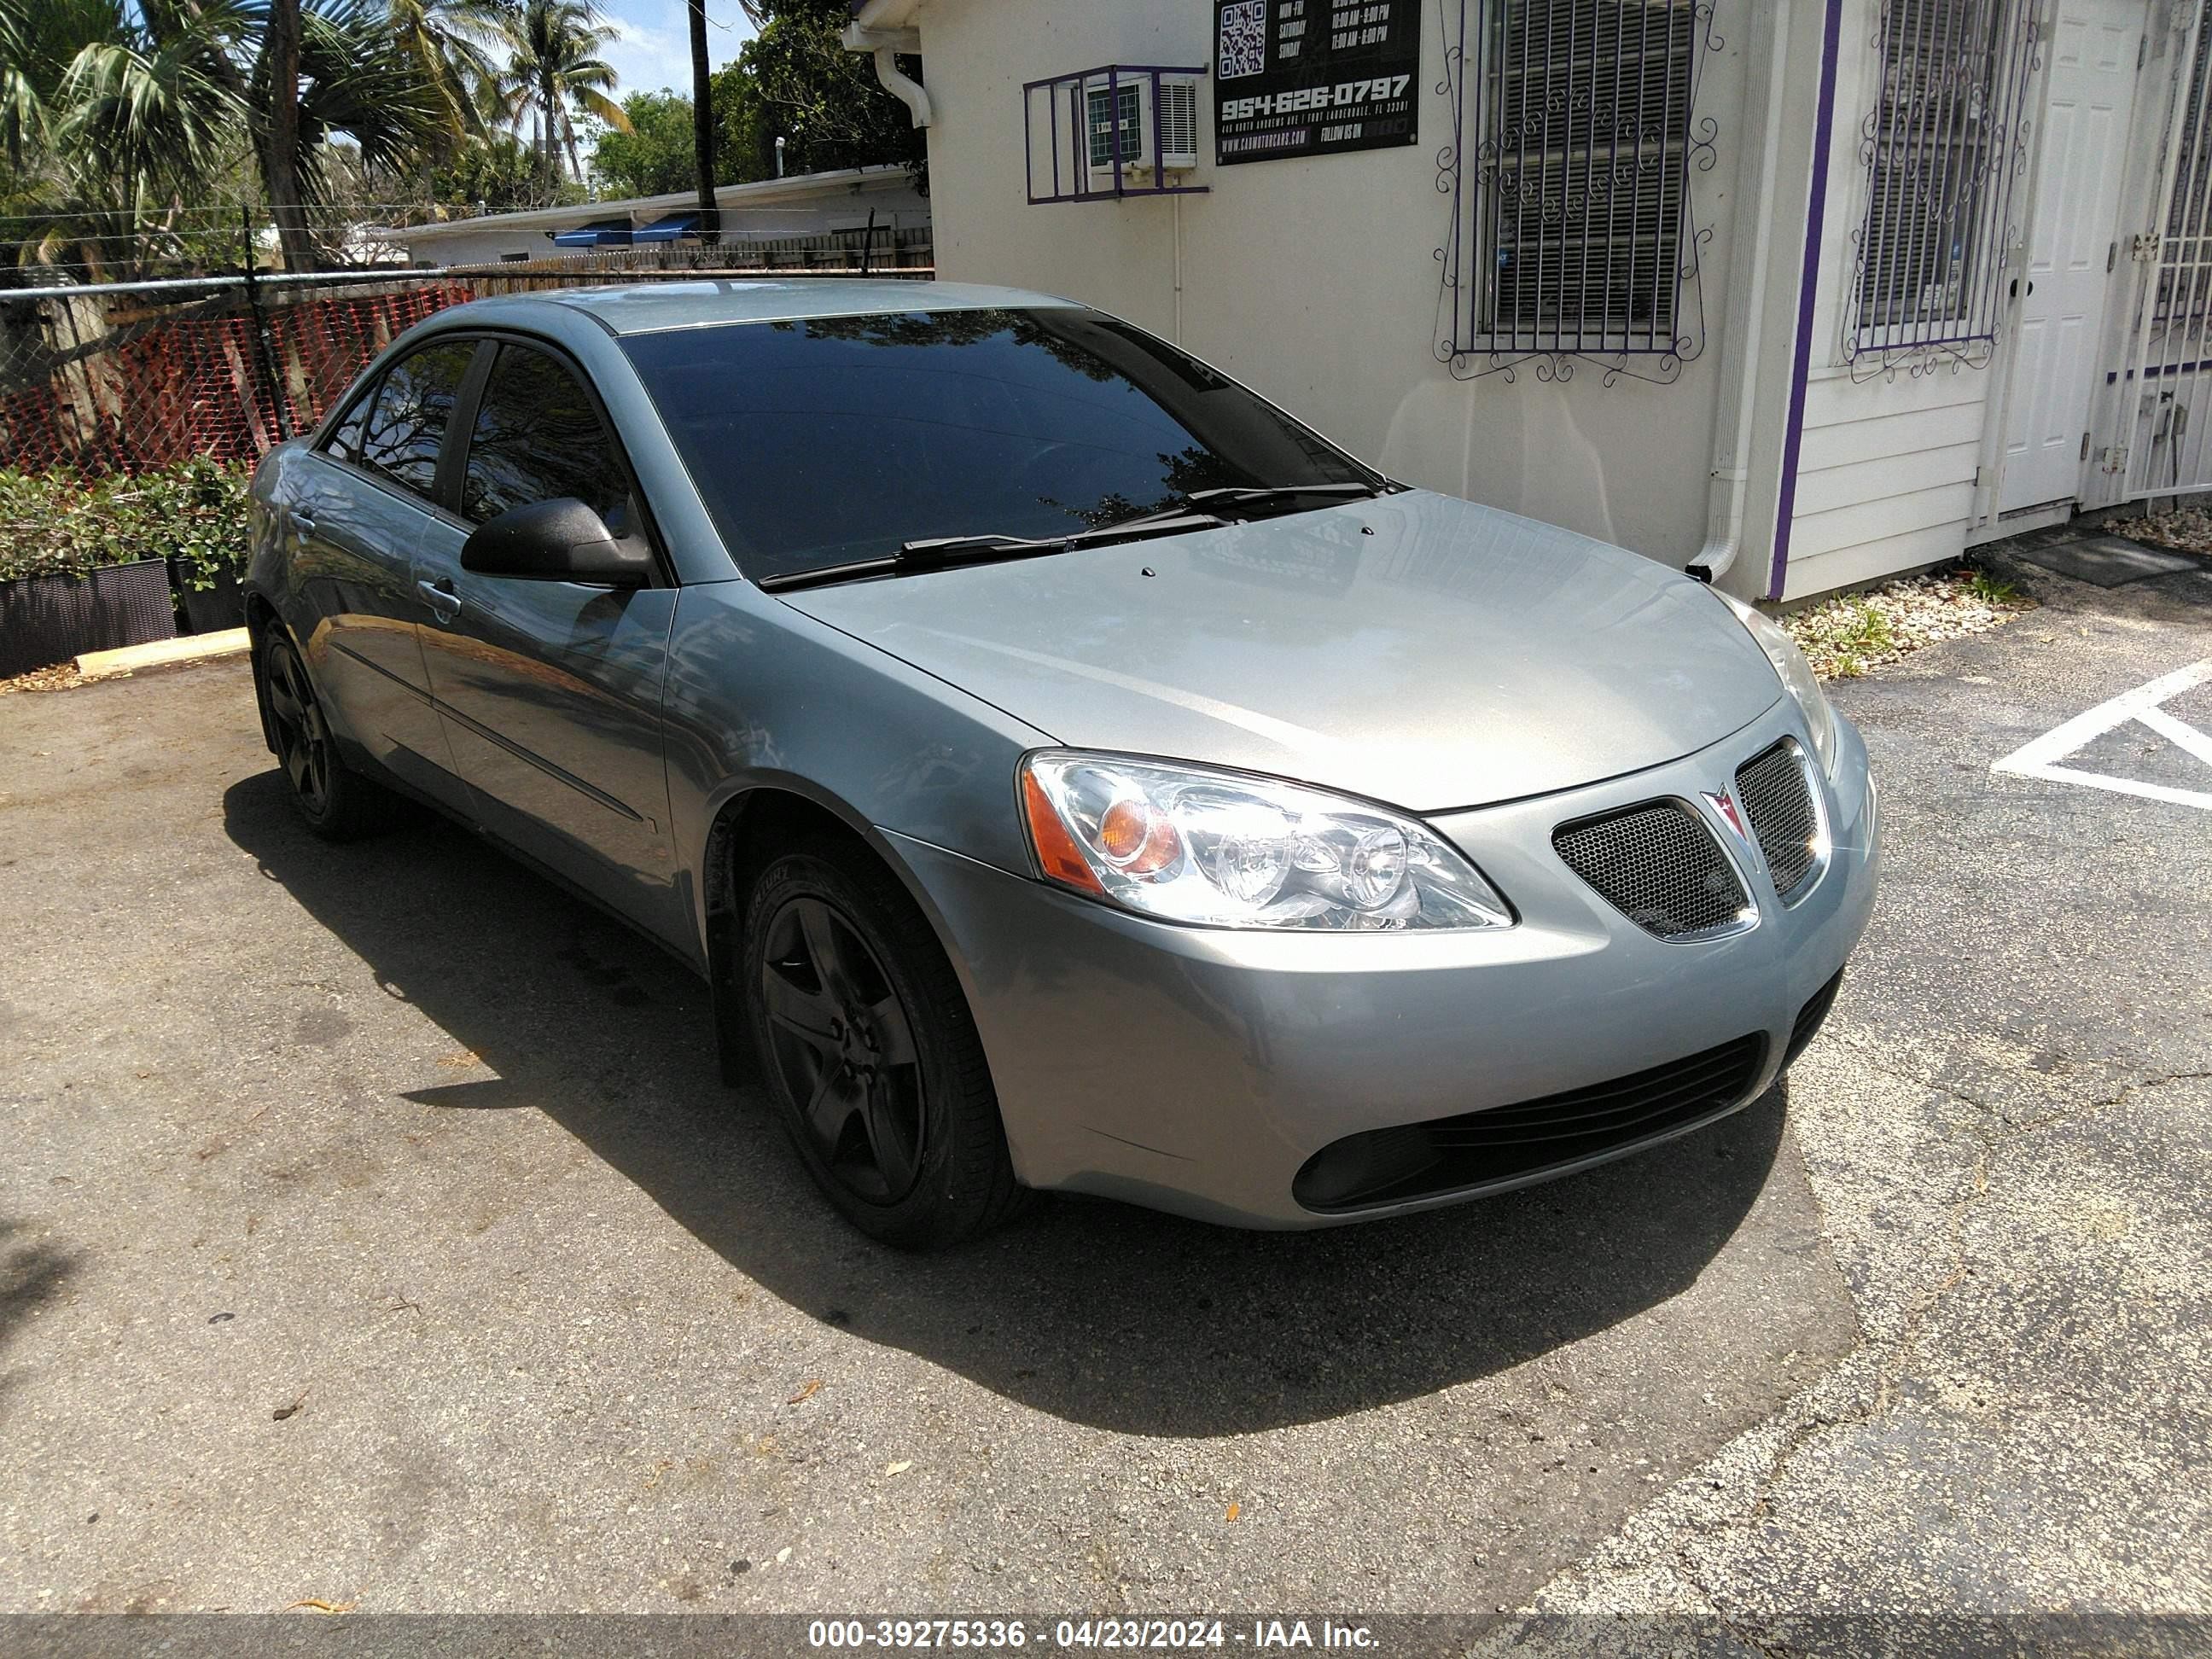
<point x="1574" y="232"/>
<point x="2178" y="299"/>
<point x="1584" y="140"/>
<point x="1944" y="147"/>
<point x="2190" y="214"/>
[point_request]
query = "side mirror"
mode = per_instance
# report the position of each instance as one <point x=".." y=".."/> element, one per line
<point x="560" y="540"/>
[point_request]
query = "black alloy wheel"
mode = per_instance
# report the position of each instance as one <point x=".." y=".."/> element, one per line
<point x="843" y="1044"/>
<point x="303" y="736"/>
<point x="335" y="802"/>
<point x="869" y="1052"/>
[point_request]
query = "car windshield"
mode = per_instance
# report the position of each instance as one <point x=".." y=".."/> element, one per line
<point x="828" y="440"/>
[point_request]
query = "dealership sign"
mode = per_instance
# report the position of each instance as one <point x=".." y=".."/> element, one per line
<point x="1311" y="77"/>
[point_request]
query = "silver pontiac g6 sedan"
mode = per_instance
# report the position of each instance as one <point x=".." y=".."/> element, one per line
<point x="1068" y="770"/>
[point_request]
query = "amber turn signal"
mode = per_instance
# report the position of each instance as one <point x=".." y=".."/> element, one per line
<point x="1057" y="851"/>
<point x="1138" y="838"/>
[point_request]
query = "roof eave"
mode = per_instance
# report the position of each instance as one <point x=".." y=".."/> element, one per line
<point x="798" y="186"/>
<point x="886" y="14"/>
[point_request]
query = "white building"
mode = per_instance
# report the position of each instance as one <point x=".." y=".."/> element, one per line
<point x="1806" y="291"/>
<point x="837" y="203"/>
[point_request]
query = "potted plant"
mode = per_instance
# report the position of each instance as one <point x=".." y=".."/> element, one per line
<point x="79" y="571"/>
<point x="203" y="505"/>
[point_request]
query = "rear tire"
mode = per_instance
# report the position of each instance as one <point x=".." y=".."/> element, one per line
<point x="334" y="802"/>
<point x="869" y="1052"/>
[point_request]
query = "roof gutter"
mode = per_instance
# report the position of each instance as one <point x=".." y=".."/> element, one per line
<point x="867" y="32"/>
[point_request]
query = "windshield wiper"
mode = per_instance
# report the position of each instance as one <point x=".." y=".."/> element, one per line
<point x="986" y="547"/>
<point x="1234" y="495"/>
<point x="944" y="550"/>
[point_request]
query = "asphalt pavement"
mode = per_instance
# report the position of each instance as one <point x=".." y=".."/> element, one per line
<point x="374" y="1231"/>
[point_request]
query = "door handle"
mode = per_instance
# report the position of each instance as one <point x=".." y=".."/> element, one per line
<point x="303" y="521"/>
<point x="441" y="597"/>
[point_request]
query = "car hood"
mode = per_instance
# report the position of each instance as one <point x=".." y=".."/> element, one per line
<point x="1414" y="648"/>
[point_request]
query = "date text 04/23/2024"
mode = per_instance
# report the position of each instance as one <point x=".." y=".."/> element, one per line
<point x="1163" y="1635"/>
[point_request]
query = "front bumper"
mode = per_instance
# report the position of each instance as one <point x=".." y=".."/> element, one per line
<point x="1198" y="1070"/>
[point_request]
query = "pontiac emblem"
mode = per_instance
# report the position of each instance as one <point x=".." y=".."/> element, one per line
<point x="1724" y="804"/>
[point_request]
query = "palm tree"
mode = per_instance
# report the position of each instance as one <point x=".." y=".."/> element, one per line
<point x="702" y="126"/>
<point x="450" y="43"/>
<point x="557" y="72"/>
<point x="106" y="126"/>
<point x="354" y="79"/>
<point x="124" y="108"/>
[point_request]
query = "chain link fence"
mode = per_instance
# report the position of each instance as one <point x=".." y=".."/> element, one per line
<point x="101" y="378"/>
<point x="125" y="377"/>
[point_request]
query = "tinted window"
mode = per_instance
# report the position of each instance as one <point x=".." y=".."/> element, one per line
<point x="819" y="442"/>
<point x="537" y="436"/>
<point x="407" y="417"/>
<point x="345" y="437"/>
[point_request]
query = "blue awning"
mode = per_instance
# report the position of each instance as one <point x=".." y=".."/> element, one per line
<point x="605" y="233"/>
<point x="669" y="229"/>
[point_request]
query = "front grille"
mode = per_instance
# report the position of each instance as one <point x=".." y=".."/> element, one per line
<point x="1658" y="866"/>
<point x="1479" y="1149"/>
<point x="1807" y="1025"/>
<point x="1777" y="799"/>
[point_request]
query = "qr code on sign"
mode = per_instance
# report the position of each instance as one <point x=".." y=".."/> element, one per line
<point x="1244" y="40"/>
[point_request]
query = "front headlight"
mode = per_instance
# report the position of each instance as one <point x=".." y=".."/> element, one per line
<point x="1798" y="678"/>
<point x="1221" y="850"/>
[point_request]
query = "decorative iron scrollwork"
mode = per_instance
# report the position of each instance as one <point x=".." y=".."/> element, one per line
<point x="1943" y="151"/>
<point x="1532" y="274"/>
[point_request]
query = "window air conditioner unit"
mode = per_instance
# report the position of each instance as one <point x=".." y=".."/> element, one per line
<point x="1178" y="124"/>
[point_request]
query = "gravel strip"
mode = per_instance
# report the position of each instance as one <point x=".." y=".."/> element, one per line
<point x="2185" y="529"/>
<point x="1845" y="636"/>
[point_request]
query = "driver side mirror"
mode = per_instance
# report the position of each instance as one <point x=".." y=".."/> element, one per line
<point x="560" y="540"/>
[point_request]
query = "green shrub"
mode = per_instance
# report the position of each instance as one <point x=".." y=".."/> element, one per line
<point x="62" y="523"/>
<point x="1994" y="590"/>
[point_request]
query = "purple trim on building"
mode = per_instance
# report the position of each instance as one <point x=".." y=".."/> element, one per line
<point x="1809" y="288"/>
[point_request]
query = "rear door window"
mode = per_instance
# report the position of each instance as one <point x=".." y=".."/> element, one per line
<point x="538" y="435"/>
<point x="406" y="418"/>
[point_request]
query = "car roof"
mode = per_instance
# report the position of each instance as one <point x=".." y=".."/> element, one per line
<point x="646" y="307"/>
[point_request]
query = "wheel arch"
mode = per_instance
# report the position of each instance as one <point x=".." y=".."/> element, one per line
<point x="759" y="820"/>
<point x="261" y="619"/>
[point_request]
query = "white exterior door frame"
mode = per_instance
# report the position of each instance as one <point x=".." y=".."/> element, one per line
<point x="2069" y="275"/>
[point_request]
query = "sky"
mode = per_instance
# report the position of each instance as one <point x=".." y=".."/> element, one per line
<point x="654" y="51"/>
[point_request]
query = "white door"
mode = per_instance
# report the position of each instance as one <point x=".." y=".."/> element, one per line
<point x="2090" y="88"/>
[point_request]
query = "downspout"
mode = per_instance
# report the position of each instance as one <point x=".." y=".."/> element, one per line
<point x="883" y="45"/>
<point x="1793" y="437"/>
<point x="1175" y="207"/>
<point x="1740" y="345"/>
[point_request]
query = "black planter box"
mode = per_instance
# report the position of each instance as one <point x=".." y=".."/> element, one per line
<point x="45" y="620"/>
<point x="211" y="610"/>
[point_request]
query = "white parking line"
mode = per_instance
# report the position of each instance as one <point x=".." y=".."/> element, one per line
<point x="2187" y="736"/>
<point x="2040" y="758"/>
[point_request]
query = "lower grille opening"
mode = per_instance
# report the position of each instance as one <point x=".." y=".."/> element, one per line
<point x="1474" y="1149"/>
<point x="1809" y="1019"/>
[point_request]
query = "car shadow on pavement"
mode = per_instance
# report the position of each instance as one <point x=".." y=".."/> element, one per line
<point x="31" y="1274"/>
<point x="1096" y="1312"/>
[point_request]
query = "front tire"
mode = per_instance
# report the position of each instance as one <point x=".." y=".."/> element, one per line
<point x="334" y="802"/>
<point x="870" y="1055"/>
